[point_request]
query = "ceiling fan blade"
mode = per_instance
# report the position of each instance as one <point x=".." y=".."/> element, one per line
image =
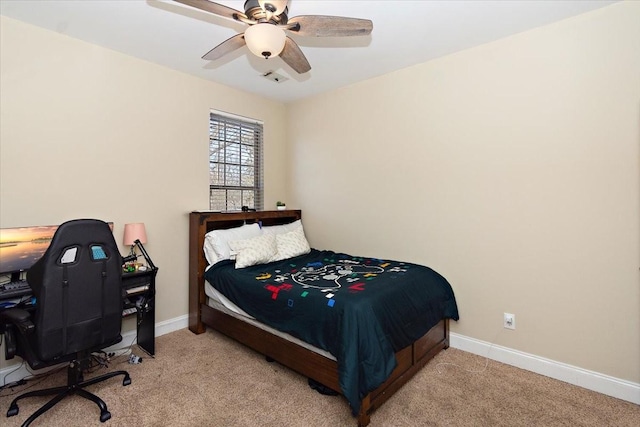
<point x="292" y="55"/>
<point x="215" y="8"/>
<point x="329" y="26"/>
<point x="227" y="46"/>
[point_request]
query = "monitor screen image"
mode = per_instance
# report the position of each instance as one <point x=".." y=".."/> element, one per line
<point x="21" y="247"/>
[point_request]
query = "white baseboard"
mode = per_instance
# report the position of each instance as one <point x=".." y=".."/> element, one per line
<point x="611" y="386"/>
<point x="171" y="325"/>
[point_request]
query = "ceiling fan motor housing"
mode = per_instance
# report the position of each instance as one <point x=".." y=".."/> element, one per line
<point x="254" y="11"/>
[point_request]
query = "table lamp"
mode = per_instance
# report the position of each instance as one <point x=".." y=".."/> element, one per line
<point x="135" y="234"/>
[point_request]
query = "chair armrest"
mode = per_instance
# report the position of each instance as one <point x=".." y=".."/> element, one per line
<point x="18" y="317"/>
<point x="12" y="320"/>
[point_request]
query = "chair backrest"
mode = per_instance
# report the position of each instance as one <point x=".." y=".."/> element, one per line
<point x="77" y="285"/>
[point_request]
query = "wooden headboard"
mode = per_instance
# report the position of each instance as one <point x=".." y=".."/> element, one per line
<point x="201" y="223"/>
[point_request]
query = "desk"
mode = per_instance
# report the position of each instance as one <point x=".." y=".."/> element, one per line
<point x="138" y="298"/>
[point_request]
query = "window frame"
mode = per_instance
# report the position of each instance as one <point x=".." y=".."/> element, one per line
<point x="241" y="139"/>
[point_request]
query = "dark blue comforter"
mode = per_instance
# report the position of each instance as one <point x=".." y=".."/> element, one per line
<point x="361" y="310"/>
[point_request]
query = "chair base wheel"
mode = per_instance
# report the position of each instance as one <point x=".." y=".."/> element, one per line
<point x="13" y="410"/>
<point x="104" y="416"/>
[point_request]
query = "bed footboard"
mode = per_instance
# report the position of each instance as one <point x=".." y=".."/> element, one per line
<point x="410" y="360"/>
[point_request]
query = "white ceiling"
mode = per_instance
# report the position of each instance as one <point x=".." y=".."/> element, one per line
<point x="405" y="32"/>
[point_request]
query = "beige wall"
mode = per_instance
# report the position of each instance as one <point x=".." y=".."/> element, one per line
<point x="512" y="168"/>
<point x="89" y="132"/>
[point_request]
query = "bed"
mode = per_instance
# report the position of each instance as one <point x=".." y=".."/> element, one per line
<point x="305" y="354"/>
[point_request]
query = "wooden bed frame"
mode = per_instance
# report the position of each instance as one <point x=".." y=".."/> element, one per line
<point x="306" y="362"/>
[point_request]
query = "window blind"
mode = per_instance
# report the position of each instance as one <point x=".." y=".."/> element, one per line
<point x="235" y="162"/>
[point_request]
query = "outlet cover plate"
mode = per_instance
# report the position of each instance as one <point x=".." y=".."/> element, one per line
<point x="509" y="321"/>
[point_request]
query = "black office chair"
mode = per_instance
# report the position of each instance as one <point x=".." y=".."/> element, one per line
<point x="78" y="311"/>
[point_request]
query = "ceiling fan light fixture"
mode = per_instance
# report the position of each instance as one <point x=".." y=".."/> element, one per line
<point x="265" y="40"/>
<point x="274" y="6"/>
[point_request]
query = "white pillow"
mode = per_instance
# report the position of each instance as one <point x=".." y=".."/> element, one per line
<point x="216" y="242"/>
<point x="292" y="243"/>
<point x="281" y="229"/>
<point x="257" y="250"/>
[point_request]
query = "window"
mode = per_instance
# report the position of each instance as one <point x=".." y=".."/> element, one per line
<point x="235" y="162"/>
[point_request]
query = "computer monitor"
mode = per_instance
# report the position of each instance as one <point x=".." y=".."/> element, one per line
<point x="21" y="247"/>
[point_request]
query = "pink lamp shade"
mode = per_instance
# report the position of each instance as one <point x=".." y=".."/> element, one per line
<point x="134" y="231"/>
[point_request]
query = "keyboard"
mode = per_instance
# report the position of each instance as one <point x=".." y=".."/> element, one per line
<point x="14" y="289"/>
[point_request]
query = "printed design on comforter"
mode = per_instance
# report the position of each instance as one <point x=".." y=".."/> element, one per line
<point x="330" y="276"/>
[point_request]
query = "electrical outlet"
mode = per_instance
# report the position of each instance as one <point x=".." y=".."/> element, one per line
<point x="509" y="321"/>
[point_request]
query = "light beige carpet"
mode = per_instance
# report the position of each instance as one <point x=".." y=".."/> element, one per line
<point x="210" y="380"/>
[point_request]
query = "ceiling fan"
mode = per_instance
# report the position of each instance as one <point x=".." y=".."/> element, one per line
<point x="268" y="21"/>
